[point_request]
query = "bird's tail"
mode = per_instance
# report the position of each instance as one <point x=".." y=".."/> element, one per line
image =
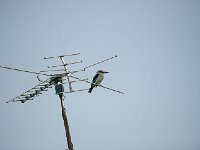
<point x="90" y="90"/>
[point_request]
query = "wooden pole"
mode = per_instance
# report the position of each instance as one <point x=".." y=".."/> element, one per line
<point x="66" y="125"/>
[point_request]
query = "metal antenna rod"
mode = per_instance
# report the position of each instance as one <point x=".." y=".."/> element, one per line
<point x="65" y="64"/>
<point x="77" y="91"/>
<point x="98" y="85"/>
<point x="70" y="85"/>
<point x="99" y="62"/>
<point x="83" y="69"/>
<point x="62" y="55"/>
<point x="24" y="70"/>
<point x="13" y="100"/>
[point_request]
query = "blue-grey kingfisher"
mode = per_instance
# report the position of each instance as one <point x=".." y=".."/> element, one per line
<point x="97" y="79"/>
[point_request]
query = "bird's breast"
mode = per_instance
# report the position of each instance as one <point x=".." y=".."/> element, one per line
<point x="99" y="79"/>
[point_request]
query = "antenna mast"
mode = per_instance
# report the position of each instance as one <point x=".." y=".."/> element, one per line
<point x="58" y="79"/>
<point x="60" y="90"/>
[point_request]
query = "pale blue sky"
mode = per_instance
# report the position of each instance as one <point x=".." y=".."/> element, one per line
<point x="157" y="43"/>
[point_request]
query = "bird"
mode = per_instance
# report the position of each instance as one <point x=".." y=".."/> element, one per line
<point x="97" y="79"/>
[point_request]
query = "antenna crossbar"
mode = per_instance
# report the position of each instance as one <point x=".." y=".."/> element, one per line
<point x="77" y="91"/>
<point x="74" y="81"/>
<point x="61" y="56"/>
<point x="65" y="64"/>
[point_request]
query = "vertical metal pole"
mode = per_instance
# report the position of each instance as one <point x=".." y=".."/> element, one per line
<point x="68" y="136"/>
<point x="70" y="86"/>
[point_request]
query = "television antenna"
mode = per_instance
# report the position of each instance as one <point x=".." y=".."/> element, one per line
<point x="57" y="79"/>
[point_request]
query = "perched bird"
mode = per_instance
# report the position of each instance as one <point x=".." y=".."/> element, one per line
<point x="97" y="79"/>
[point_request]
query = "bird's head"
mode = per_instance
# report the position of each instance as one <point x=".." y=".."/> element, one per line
<point x="101" y="71"/>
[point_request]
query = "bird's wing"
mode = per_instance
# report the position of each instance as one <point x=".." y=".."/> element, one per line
<point x="31" y="93"/>
<point x="95" y="78"/>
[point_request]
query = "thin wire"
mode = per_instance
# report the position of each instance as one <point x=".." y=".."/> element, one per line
<point x="24" y="70"/>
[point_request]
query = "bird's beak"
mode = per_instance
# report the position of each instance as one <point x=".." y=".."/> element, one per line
<point x="105" y="72"/>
